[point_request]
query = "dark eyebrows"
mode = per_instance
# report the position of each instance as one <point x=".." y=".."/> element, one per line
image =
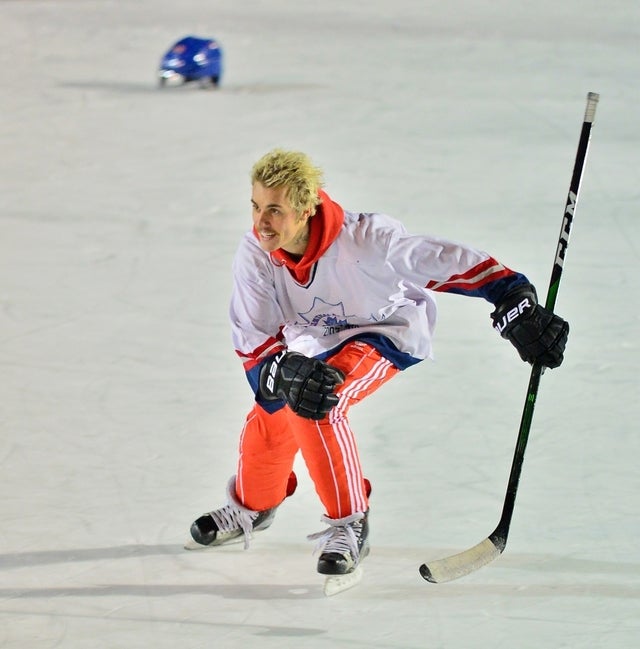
<point x="269" y="206"/>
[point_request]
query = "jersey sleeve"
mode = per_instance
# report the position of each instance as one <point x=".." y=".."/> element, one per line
<point x="450" y="267"/>
<point x="256" y="318"/>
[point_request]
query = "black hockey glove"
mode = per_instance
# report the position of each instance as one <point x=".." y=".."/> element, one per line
<point x="539" y="335"/>
<point x="306" y="384"/>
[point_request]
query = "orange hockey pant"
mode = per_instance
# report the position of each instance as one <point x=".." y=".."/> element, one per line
<point x="269" y="442"/>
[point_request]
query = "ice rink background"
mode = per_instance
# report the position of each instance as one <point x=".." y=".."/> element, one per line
<point x="122" y="400"/>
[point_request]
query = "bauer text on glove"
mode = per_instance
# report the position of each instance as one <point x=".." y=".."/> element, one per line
<point x="307" y="385"/>
<point x="539" y="335"/>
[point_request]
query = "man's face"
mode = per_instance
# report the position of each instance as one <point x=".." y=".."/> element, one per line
<point x="277" y="224"/>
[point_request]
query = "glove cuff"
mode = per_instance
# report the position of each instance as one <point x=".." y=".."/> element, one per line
<point x="268" y="377"/>
<point x="516" y="305"/>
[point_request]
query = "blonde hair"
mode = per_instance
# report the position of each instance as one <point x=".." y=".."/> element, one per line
<point x="293" y="170"/>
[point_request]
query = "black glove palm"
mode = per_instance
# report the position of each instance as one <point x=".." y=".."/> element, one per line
<point x="306" y="384"/>
<point x="539" y="335"/>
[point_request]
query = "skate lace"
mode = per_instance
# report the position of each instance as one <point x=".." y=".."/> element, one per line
<point x="231" y="517"/>
<point x="341" y="536"/>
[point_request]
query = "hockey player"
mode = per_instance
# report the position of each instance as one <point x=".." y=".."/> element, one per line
<point x="327" y="306"/>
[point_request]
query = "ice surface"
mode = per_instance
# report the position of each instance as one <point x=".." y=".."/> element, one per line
<point x="122" y="400"/>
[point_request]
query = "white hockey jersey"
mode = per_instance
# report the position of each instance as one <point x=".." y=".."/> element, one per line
<point x="373" y="281"/>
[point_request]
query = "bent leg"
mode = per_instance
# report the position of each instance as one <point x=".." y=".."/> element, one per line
<point x="267" y="450"/>
<point x="328" y="446"/>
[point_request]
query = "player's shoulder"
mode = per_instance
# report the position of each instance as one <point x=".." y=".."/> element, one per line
<point x="249" y="254"/>
<point x="249" y="246"/>
<point x="372" y="225"/>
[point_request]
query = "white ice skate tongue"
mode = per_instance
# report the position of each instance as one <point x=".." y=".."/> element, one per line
<point x="335" y="584"/>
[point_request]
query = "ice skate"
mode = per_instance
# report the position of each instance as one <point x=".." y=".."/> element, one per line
<point x="342" y="547"/>
<point x="228" y="524"/>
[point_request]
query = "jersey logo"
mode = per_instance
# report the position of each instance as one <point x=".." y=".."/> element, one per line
<point x="331" y="317"/>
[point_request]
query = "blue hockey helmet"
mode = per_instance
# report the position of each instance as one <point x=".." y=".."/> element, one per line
<point x="192" y="59"/>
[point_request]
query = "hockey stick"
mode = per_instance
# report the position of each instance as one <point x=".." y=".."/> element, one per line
<point x="463" y="563"/>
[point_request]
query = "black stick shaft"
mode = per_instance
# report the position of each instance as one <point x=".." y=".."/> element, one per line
<point x="499" y="537"/>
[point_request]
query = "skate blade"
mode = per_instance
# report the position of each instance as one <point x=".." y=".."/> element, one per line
<point x="190" y="544"/>
<point x="335" y="584"/>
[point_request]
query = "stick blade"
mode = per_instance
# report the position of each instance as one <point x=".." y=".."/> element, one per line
<point x="463" y="563"/>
